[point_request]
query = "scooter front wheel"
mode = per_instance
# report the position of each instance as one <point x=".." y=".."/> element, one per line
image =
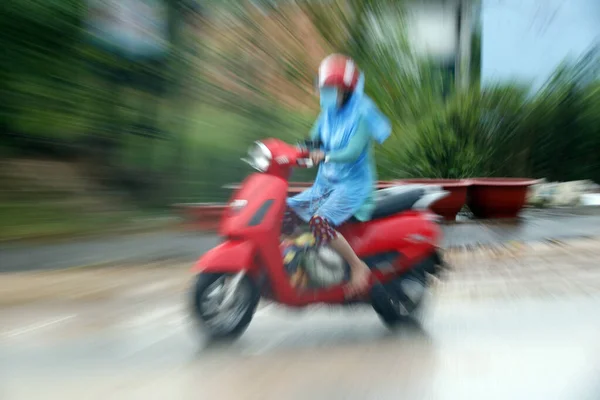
<point x="224" y="304"/>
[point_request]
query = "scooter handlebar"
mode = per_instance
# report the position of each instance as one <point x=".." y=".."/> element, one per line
<point x="306" y="147"/>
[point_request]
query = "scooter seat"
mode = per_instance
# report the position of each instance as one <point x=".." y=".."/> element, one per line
<point x="396" y="199"/>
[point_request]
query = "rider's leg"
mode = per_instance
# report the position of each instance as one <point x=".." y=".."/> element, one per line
<point x="324" y="233"/>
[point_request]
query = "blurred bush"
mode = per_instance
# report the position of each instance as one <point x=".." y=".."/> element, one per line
<point x="162" y="129"/>
<point x="504" y="130"/>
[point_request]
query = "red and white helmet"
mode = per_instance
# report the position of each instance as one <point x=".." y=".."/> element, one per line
<point x="339" y="71"/>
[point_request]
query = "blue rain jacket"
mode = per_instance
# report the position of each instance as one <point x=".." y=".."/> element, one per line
<point x="345" y="183"/>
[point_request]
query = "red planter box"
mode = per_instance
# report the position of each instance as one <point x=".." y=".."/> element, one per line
<point x="301" y="184"/>
<point x="451" y="205"/>
<point x="486" y="197"/>
<point x="498" y="197"/>
<point x="293" y="189"/>
<point x="201" y="216"/>
<point x="447" y="207"/>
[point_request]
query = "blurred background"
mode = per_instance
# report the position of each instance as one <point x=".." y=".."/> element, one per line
<point x="114" y="113"/>
<point x="113" y="110"/>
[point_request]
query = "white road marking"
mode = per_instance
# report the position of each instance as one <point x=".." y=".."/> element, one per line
<point x="147" y="290"/>
<point x="37" y="326"/>
<point x="272" y="343"/>
<point x="152" y="316"/>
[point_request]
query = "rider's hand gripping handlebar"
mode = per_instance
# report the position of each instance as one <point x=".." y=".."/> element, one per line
<point x="304" y="159"/>
<point x="306" y="146"/>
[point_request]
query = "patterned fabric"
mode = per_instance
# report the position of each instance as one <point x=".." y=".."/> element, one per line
<point x="322" y="230"/>
<point x="293" y="252"/>
<point x="291" y="221"/>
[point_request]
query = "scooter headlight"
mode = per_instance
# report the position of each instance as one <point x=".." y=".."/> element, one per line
<point x="259" y="157"/>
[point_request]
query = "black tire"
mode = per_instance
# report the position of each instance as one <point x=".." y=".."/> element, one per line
<point x="203" y="281"/>
<point x="382" y="296"/>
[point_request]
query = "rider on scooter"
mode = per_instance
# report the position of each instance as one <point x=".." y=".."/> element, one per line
<point x="348" y="124"/>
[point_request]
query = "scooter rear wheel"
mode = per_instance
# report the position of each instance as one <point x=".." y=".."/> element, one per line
<point x="222" y="314"/>
<point x="392" y="302"/>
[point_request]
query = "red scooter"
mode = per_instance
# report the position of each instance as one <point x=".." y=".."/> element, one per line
<point x="400" y="244"/>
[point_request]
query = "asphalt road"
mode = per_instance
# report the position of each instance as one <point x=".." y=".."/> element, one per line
<point x="83" y="252"/>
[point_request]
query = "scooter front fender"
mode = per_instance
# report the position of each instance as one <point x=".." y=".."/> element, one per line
<point x="228" y="257"/>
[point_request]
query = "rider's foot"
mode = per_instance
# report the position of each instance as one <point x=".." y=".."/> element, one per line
<point x="359" y="281"/>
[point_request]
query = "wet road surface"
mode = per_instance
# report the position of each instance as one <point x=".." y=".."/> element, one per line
<point x="522" y="324"/>
<point x="545" y="350"/>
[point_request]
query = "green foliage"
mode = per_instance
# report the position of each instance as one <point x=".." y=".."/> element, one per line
<point x="459" y="139"/>
<point x="566" y="115"/>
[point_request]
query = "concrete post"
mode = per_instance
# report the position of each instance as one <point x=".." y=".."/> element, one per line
<point x="464" y="23"/>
